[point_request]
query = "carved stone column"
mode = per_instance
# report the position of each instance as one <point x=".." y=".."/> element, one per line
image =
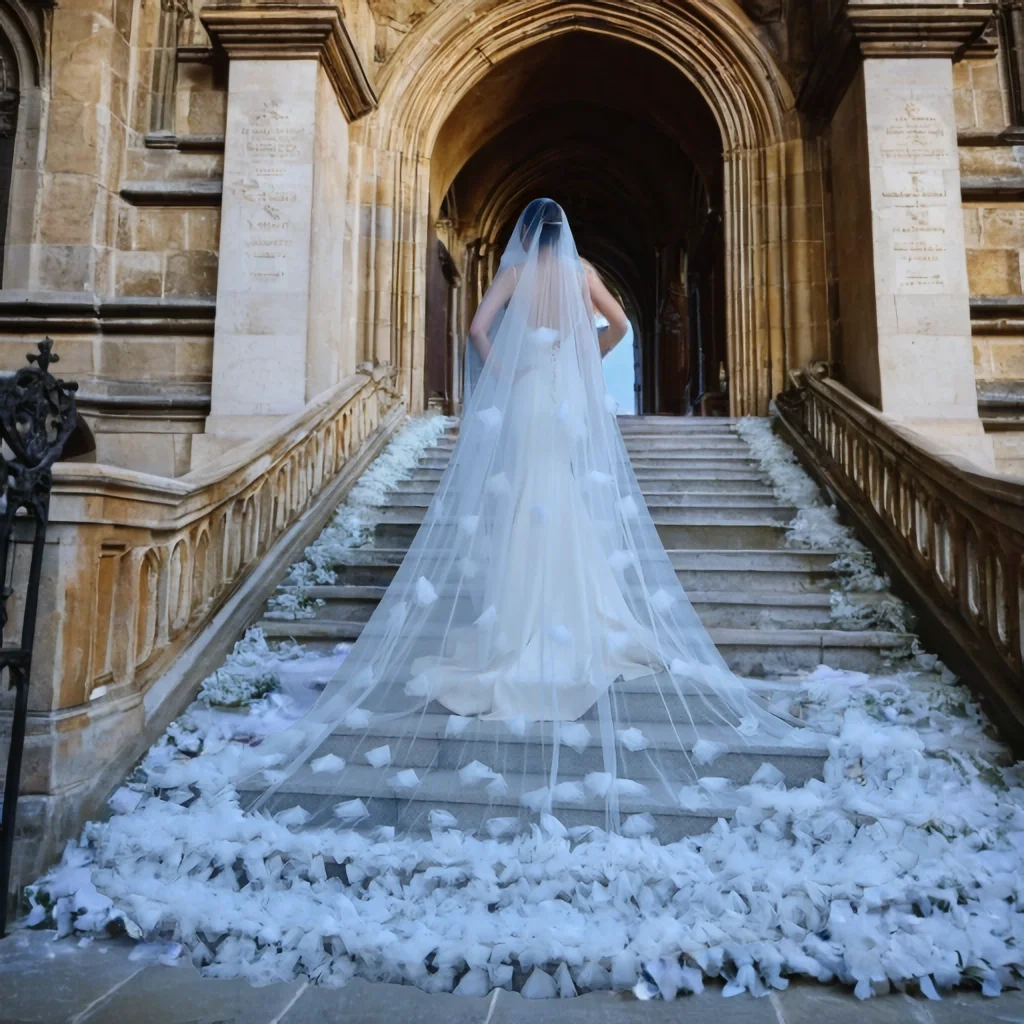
<point x="294" y="83"/>
<point x="886" y="83"/>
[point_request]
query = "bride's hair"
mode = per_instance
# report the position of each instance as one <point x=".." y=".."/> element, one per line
<point x="544" y="215"/>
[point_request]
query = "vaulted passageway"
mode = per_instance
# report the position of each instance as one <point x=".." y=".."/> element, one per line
<point x="632" y="152"/>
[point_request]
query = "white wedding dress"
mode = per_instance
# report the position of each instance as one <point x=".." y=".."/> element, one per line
<point x="562" y="631"/>
<point x="535" y="629"/>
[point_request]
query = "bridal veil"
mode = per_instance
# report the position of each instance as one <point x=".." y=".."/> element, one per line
<point x="535" y="653"/>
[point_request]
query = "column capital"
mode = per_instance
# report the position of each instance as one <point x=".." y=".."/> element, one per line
<point x="866" y="29"/>
<point x="919" y="30"/>
<point x="281" y="31"/>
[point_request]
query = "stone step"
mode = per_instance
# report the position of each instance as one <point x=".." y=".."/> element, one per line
<point x="419" y="742"/>
<point x="782" y="569"/>
<point x="661" y="484"/>
<point x="663" y="499"/>
<point x="472" y="810"/>
<point x="676" y="424"/>
<point x="638" y="443"/>
<point x="677" y="462"/>
<point x="737" y="609"/>
<point x="675" y="514"/>
<point x="644" y="477"/>
<point x="754" y="653"/>
<point x="677" y="531"/>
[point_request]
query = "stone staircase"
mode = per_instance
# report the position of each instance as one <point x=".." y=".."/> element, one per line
<point x="766" y="606"/>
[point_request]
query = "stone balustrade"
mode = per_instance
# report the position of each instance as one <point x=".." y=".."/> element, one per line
<point x="149" y="580"/>
<point x="950" y="532"/>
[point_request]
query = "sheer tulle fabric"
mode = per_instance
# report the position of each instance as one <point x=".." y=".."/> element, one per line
<point x="535" y="650"/>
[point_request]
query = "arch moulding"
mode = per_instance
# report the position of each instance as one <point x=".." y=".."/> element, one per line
<point x="775" y="317"/>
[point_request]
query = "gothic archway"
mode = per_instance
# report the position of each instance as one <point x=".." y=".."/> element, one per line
<point x="21" y="140"/>
<point x="773" y="312"/>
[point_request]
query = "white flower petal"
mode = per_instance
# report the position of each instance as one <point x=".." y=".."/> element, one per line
<point x="498" y="485"/>
<point x="490" y="418"/>
<point x="488" y="617"/>
<point x="497" y="786"/>
<point x="620" y="560"/>
<point x="351" y="810"/>
<point x="327" y="763"/>
<point x="560" y="634"/>
<point x="705" y="751"/>
<point x="407" y="779"/>
<point x="536" y="798"/>
<point x="379" y="757"/>
<point x="632" y="739"/>
<point x="426" y="595"/>
<point x="575" y="735"/>
<point x="357" y="718"/>
<point x="441" y="820"/>
<point x="475" y="771"/>
<point x="628" y="507"/>
<point x="456" y="725"/>
<point x="569" y="793"/>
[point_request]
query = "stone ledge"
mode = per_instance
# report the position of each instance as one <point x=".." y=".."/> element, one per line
<point x="1011" y="136"/>
<point x="185" y="143"/>
<point x="884" y="30"/>
<point x="295" y="32"/>
<point x="64" y="312"/>
<point x="188" y="192"/>
<point x="1002" y="187"/>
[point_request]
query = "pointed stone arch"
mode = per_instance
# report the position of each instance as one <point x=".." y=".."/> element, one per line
<point x="23" y="121"/>
<point x="775" y="304"/>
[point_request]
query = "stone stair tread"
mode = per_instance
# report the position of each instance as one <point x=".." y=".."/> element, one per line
<point x="767" y="598"/>
<point x="693" y="516"/>
<point x="343" y="629"/>
<point x="681" y="558"/>
<point x="660" y="735"/>
<point x="442" y="786"/>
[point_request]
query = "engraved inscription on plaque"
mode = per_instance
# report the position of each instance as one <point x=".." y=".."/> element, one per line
<point x="915" y="149"/>
<point x="273" y="148"/>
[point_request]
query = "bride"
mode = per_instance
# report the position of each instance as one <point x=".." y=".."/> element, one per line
<point x="535" y="648"/>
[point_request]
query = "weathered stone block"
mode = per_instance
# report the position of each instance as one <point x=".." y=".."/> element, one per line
<point x="203" y="229"/>
<point x="993" y="272"/>
<point x="67" y="209"/>
<point x="158" y="229"/>
<point x="139" y="273"/>
<point x="1002" y="228"/>
<point x="1007" y="356"/>
<point x="191" y="273"/>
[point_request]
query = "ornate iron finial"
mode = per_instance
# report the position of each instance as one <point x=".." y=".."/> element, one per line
<point x="37" y="413"/>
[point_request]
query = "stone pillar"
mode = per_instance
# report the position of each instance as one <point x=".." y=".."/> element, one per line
<point x="903" y="293"/>
<point x="294" y="84"/>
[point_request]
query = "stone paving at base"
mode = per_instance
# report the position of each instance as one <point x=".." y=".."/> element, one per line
<point x="46" y="981"/>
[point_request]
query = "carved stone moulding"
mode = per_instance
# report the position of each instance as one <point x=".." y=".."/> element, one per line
<point x="295" y="32"/>
<point x="933" y="31"/>
<point x="887" y="30"/>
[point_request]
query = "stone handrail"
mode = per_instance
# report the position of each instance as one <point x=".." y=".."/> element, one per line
<point x="148" y="581"/>
<point x="949" y="531"/>
<point x="154" y="556"/>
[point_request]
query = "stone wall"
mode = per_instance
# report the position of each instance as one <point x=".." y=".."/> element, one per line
<point x="113" y="238"/>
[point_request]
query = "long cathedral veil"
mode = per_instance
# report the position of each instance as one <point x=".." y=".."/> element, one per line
<point x="535" y="654"/>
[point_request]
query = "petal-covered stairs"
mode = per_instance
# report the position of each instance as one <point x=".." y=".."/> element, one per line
<point x="767" y="607"/>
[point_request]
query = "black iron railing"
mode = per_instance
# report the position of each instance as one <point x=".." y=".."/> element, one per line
<point x="37" y="416"/>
